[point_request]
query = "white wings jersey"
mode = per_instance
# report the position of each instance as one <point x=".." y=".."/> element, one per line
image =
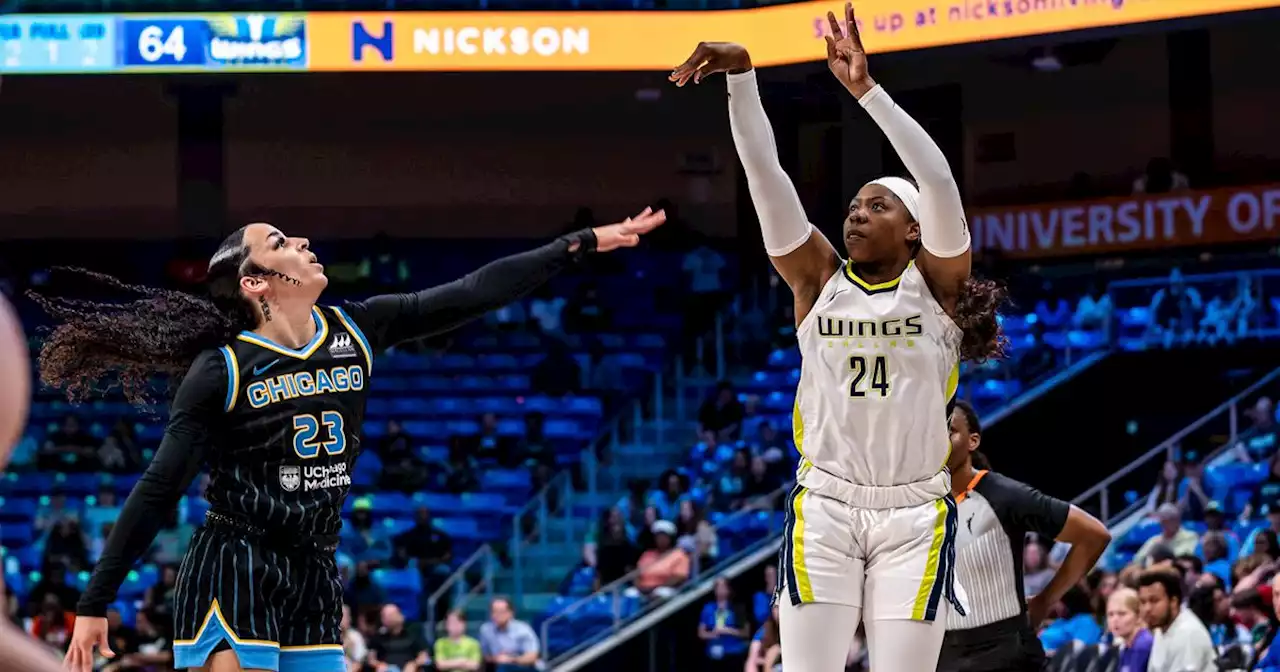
<point x="879" y="368"/>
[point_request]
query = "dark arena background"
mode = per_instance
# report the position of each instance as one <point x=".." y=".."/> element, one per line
<point x="1119" y="160"/>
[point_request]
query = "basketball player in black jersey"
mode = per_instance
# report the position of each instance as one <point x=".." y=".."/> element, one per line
<point x="271" y="399"/>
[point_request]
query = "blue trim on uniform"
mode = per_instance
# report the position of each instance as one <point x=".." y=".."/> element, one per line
<point x="251" y="656"/>
<point x="354" y="328"/>
<point x="322" y="332"/>
<point x="943" y="583"/>
<point x="307" y="659"/>
<point x="233" y="375"/>
<point x="788" y="557"/>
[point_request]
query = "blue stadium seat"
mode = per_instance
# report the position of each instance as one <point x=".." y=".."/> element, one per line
<point x="17" y="509"/>
<point x="406" y="581"/>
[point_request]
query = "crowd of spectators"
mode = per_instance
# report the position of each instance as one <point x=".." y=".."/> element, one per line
<point x="1199" y="586"/>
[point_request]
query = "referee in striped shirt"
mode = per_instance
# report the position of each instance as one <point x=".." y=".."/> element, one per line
<point x="995" y="514"/>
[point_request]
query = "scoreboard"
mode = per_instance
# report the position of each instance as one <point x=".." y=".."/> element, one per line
<point x="35" y="44"/>
<point x="778" y="34"/>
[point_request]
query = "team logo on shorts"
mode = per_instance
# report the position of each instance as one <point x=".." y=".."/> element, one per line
<point x="290" y="477"/>
<point x="342" y="347"/>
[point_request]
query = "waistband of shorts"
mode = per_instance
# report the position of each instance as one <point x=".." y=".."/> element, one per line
<point x="875" y="496"/>
<point x="1007" y="629"/>
<point x="235" y="526"/>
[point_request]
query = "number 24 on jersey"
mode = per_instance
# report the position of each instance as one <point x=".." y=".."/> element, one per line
<point x="870" y="376"/>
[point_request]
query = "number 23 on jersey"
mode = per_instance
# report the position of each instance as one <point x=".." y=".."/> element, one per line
<point x="870" y="376"/>
<point x="308" y="439"/>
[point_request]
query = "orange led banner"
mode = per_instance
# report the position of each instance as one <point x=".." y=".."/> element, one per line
<point x="658" y="40"/>
<point x="1211" y="217"/>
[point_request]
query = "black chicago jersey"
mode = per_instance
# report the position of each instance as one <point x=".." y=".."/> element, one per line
<point x="284" y="454"/>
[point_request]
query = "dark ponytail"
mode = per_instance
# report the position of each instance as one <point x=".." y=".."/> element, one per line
<point x="100" y="345"/>
<point x="977" y="315"/>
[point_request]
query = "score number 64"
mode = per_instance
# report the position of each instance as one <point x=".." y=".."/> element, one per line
<point x="154" y="45"/>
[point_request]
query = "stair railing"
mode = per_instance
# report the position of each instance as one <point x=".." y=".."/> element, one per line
<point x="456" y="588"/>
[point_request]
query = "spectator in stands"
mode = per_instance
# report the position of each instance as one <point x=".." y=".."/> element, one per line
<point x="1127" y="631"/>
<point x="456" y="651"/>
<point x="462" y="467"/>
<point x="535" y="449"/>
<point x="760" y="482"/>
<point x="731" y="482"/>
<point x="1182" y="642"/>
<point x="1078" y="625"/>
<point x="104" y="508"/>
<point x="172" y="540"/>
<point x="355" y="650"/>
<point x="402" y="470"/>
<point x="158" y="600"/>
<point x="1271" y="509"/>
<point x="1251" y="610"/>
<point x="53" y="581"/>
<point x="1268" y="654"/>
<point x="1166" y="488"/>
<point x="53" y="624"/>
<point x="1160" y="178"/>
<point x="666" y="502"/>
<point x="66" y="545"/>
<point x="1093" y="312"/>
<point x="127" y="439"/>
<point x="559" y="372"/>
<point x="722" y="414"/>
<point x="55" y="510"/>
<point x="616" y="555"/>
<point x="1261" y="436"/>
<point x="364" y="541"/>
<point x="431" y="547"/>
<point x="1192" y="496"/>
<point x="508" y="644"/>
<point x="664" y="567"/>
<point x="762" y="600"/>
<point x="632" y="507"/>
<point x="1175" y="310"/>
<point x="123" y="639"/>
<point x="546" y="312"/>
<point x="69" y="448"/>
<point x="605" y="375"/>
<point x="1213" y="547"/>
<point x="1227" y="317"/>
<point x="363" y="593"/>
<point x="1209" y="602"/>
<point x="398" y="645"/>
<point x="111" y="457"/>
<point x="725" y="629"/>
<point x="765" y="652"/>
<point x="1178" y="539"/>
<point x="1037" y="573"/>
<point x="694" y="532"/>
<point x="155" y="648"/>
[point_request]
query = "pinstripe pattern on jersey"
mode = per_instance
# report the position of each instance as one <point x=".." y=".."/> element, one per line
<point x="255" y="598"/>
<point x="985" y="567"/>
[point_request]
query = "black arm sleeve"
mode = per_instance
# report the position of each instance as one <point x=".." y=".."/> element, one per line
<point x="1023" y="508"/>
<point x="192" y="418"/>
<point x="392" y="318"/>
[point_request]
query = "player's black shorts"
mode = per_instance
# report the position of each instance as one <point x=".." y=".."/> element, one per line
<point x="1003" y="646"/>
<point x="277" y="606"/>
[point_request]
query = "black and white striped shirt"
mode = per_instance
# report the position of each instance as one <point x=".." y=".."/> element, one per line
<point x="995" y="515"/>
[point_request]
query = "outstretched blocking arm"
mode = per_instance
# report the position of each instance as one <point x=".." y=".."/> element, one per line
<point x="192" y="421"/>
<point x="393" y="318"/>
<point x="23" y="654"/>
<point x="802" y="255"/>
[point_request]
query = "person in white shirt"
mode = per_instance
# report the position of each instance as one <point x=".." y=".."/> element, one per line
<point x="1182" y="642"/>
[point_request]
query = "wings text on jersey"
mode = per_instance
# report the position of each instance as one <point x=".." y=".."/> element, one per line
<point x="262" y="393"/>
<point x="894" y="327"/>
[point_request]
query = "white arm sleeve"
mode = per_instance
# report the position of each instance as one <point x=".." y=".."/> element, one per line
<point x="943" y="229"/>
<point x="782" y="219"/>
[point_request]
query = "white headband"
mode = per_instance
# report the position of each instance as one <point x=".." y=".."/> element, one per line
<point x="905" y="191"/>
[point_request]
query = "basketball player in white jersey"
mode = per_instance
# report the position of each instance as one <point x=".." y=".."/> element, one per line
<point x="871" y="523"/>
<point x="18" y="652"/>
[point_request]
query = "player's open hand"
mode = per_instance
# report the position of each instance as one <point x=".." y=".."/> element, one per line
<point x="710" y="58"/>
<point x="89" y="633"/>
<point x="627" y="232"/>
<point x="846" y="57"/>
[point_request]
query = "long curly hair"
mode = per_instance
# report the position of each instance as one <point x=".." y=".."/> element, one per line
<point x="100" y="345"/>
<point x="977" y="311"/>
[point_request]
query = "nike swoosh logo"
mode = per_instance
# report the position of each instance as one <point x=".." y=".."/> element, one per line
<point x="259" y="370"/>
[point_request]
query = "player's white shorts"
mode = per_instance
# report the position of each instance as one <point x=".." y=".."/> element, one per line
<point x="890" y="551"/>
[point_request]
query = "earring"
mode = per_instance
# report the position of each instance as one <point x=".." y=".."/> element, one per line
<point x="266" y="309"/>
